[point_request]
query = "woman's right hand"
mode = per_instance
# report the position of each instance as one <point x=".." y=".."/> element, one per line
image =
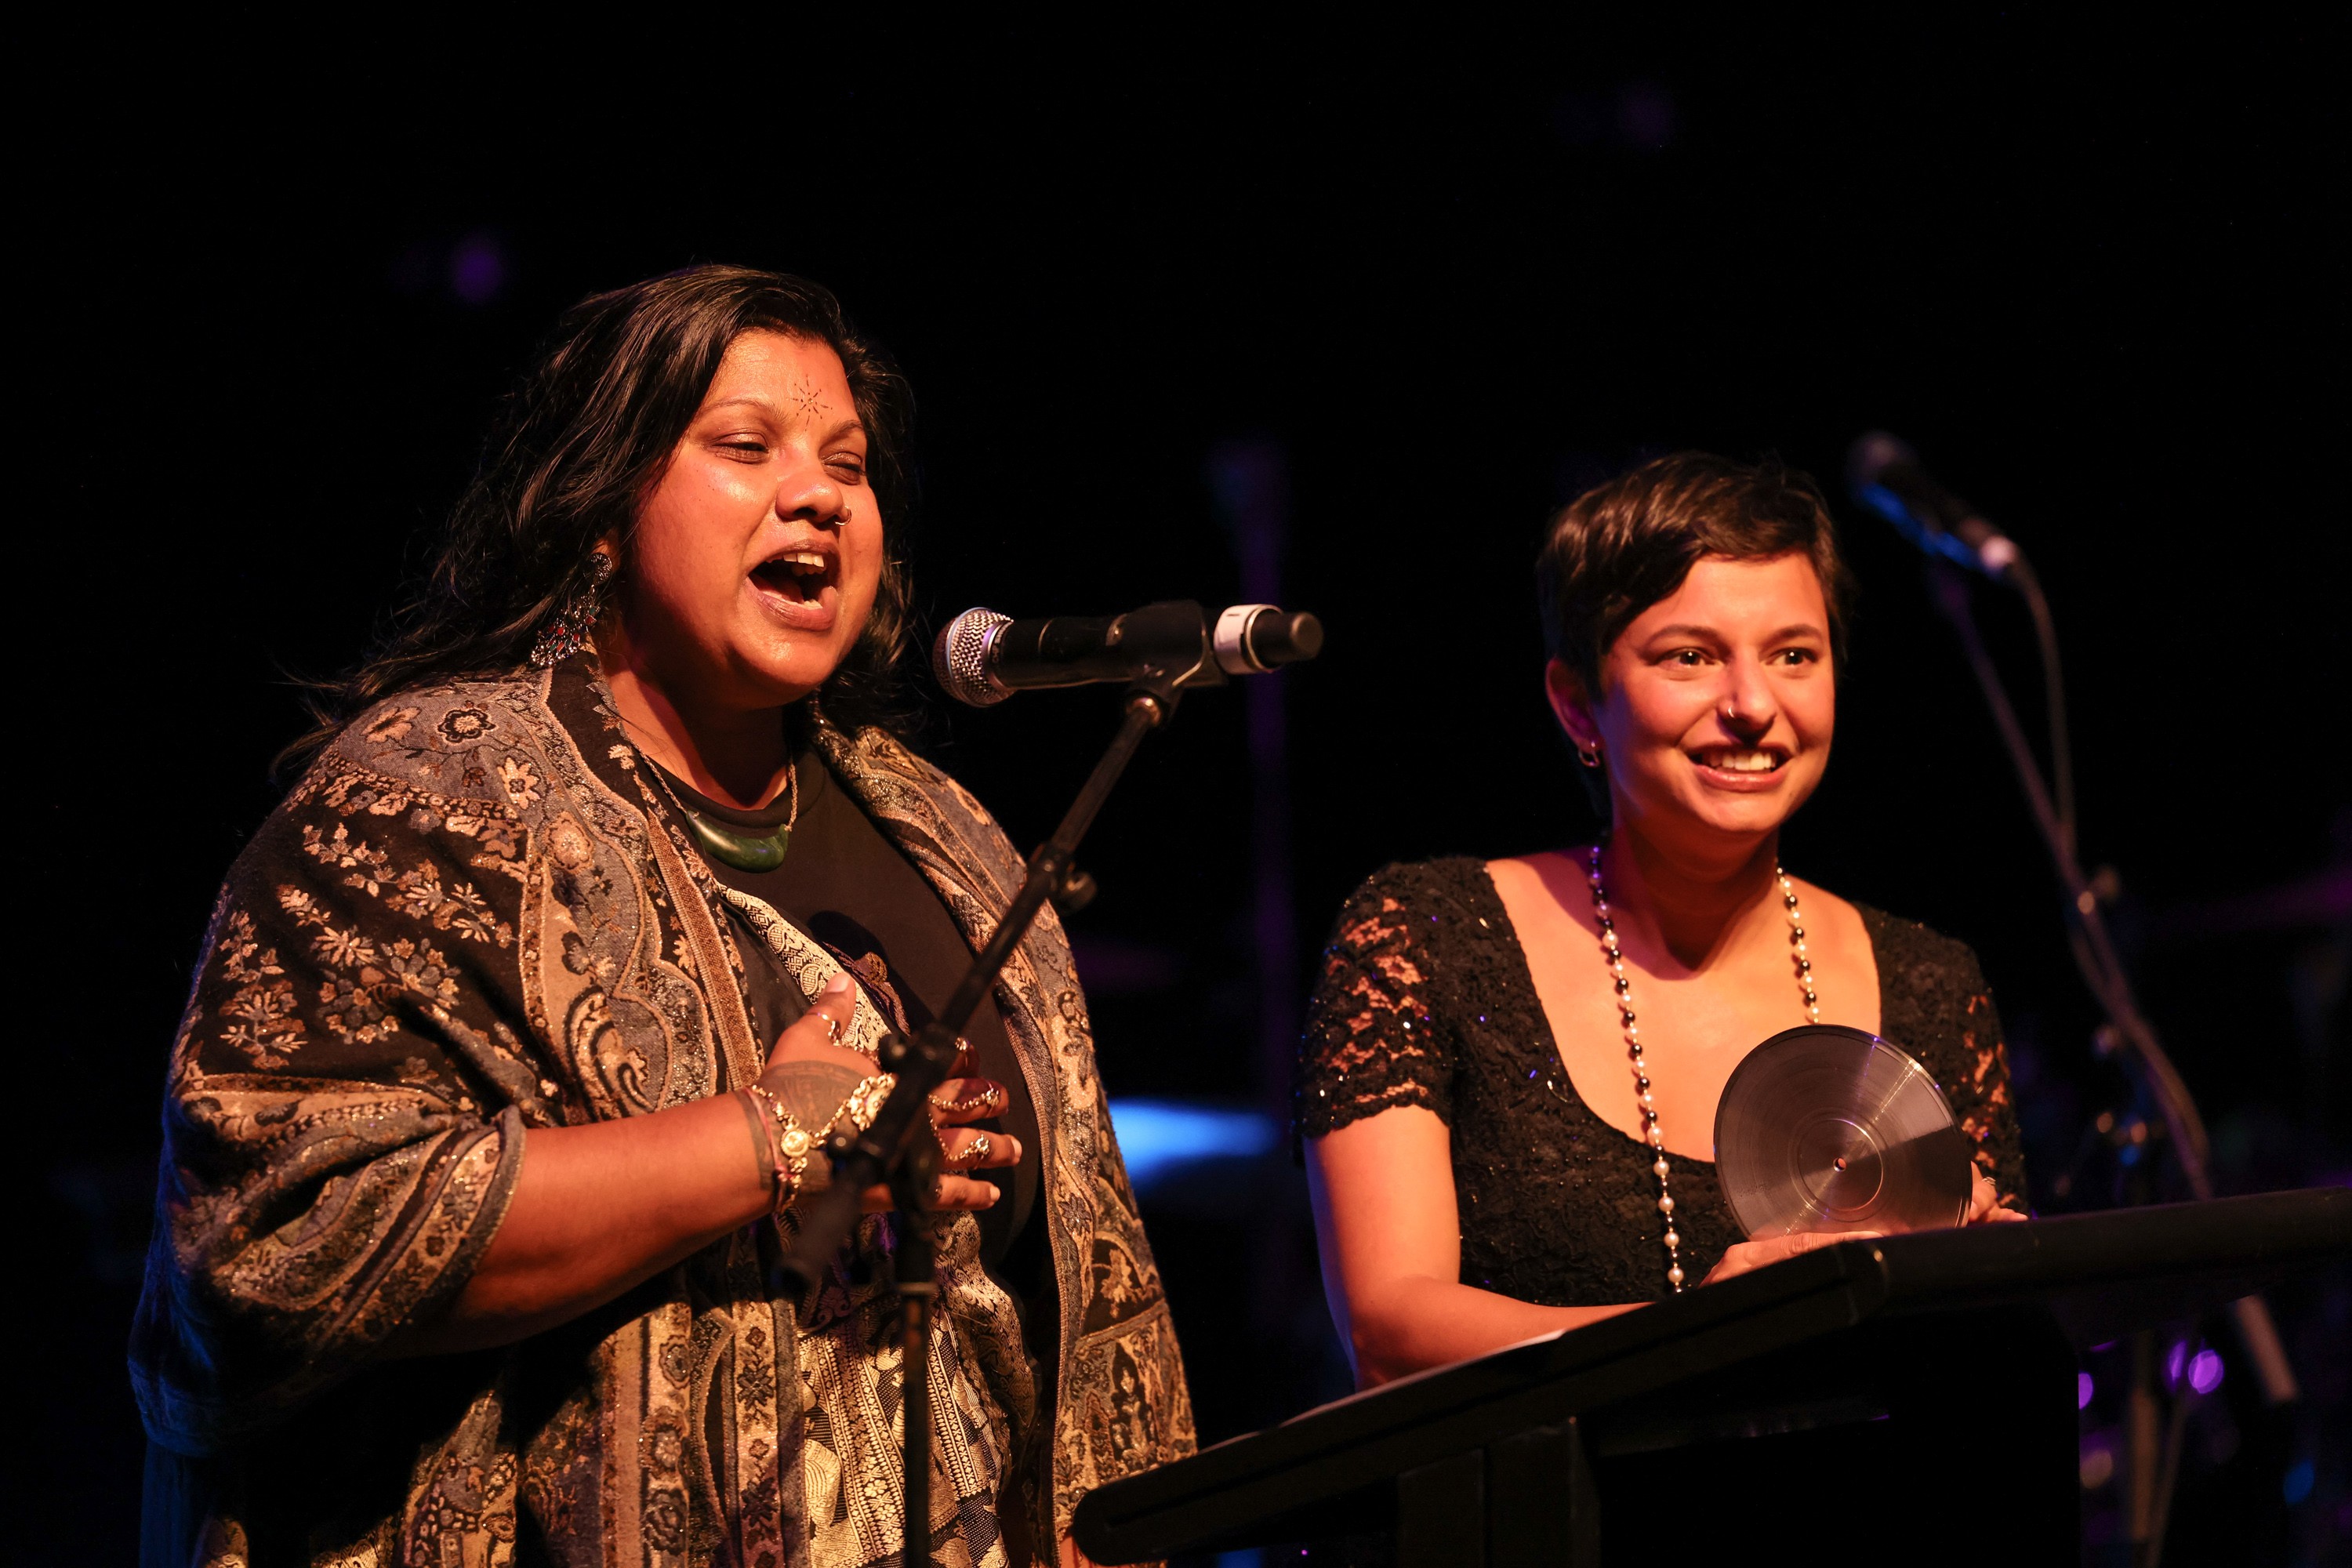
<point x="811" y="1075"/>
<point x="1746" y="1257"/>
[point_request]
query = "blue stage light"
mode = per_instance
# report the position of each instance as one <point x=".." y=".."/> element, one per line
<point x="1158" y="1136"/>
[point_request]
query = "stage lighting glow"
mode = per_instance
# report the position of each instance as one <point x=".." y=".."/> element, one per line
<point x="2205" y="1372"/>
<point x="477" y="268"/>
<point x="2084" y="1389"/>
<point x="1158" y="1136"/>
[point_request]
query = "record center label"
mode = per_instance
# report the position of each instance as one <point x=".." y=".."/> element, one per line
<point x="1839" y="1166"/>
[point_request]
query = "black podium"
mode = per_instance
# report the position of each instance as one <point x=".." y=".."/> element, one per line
<point x="1909" y="1400"/>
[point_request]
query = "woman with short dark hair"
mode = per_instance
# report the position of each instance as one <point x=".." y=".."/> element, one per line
<point x="1510" y="1073"/>
<point x="520" y="1019"/>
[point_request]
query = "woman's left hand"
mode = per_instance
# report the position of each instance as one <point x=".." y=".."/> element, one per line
<point x="960" y="1100"/>
<point x="1746" y="1257"/>
<point x="1984" y="1203"/>
<point x="963" y="1098"/>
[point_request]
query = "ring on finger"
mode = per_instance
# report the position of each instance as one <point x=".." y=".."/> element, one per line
<point x="974" y="1152"/>
<point x="832" y="1030"/>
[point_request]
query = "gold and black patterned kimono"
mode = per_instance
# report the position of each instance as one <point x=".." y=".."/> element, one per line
<point x="473" y="916"/>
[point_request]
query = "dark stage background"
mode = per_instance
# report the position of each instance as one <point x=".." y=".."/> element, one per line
<point x="1425" y="289"/>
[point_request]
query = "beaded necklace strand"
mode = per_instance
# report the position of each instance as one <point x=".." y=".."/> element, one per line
<point x="1651" y="1131"/>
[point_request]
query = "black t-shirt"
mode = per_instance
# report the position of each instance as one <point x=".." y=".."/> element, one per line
<point x="844" y="884"/>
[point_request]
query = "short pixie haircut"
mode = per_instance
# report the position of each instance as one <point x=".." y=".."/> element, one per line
<point x="1622" y="546"/>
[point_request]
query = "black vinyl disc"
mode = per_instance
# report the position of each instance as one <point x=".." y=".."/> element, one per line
<point x="1824" y="1128"/>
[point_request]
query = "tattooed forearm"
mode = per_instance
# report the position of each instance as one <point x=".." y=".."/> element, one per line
<point x="812" y="1092"/>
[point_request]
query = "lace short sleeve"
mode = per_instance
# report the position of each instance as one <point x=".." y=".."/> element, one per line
<point x="1935" y="1003"/>
<point x="1370" y="1044"/>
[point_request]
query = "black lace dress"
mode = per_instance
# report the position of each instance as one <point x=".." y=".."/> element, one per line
<point x="1425" y="999"/>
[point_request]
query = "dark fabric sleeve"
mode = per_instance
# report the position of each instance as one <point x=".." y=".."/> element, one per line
<point x="343" y="1120"/>
<point x="1370" y="1044"/>
<point x="1938" y="1005"/>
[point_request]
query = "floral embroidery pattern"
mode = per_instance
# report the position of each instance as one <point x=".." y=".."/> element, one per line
<point x="521" y="783"/>
<point x="365" y="975"/>
<point x="392" y="726"/>
<point x="418" y="894"/>
<point x="461" y="726"/>
<point x="263" y="1024"/>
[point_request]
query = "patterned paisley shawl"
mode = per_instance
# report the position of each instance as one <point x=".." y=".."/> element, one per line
<point x="470" y="918"/>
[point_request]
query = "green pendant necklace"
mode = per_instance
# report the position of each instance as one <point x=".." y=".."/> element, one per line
<point x="733" y="846"/>
<point x="744" y="851"/>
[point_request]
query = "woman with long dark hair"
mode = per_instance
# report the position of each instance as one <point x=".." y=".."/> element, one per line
<point x="518" y="1020"/>
<point x="1511" y="1069"/>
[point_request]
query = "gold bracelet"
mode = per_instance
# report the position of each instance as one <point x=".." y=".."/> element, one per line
<point x="865" y="1102"/>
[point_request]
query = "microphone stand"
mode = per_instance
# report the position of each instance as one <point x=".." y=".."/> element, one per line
<point x="2127" y="1028"/>
<point x="901" y="1149"/>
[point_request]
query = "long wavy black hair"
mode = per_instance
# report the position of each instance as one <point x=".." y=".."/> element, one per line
<point x="576" y="449"/>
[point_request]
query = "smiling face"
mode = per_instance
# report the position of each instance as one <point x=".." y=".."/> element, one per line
<point x="757" y="556"/>
<point x="1716" y="707"/>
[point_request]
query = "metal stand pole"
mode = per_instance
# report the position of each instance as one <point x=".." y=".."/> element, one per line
<point x="892" y="1151"/>
<point x="2103" y="971"/>
<point x="919" y="1292"/>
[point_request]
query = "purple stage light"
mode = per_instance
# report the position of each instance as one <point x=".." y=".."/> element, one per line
<point x="2205" y="1372"/>
<point x="2176" y="1363"/>
<point x="2084" y="1389"/>
<point x="477" y="268"/>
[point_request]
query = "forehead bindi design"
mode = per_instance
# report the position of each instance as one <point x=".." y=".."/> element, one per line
<point x="808" y="399"/>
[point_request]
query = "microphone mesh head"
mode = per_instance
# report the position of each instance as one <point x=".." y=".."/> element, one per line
<point x="960" y="659"/>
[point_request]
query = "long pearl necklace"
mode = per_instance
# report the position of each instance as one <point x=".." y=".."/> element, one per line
<point x="1651" y="1131"/>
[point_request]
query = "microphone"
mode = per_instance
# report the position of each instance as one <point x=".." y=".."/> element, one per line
<point x="982" y="657"/>
<point x="1883" y="476"/>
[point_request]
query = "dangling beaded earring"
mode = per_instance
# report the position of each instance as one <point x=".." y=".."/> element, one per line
<point x="567" y="634"/>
